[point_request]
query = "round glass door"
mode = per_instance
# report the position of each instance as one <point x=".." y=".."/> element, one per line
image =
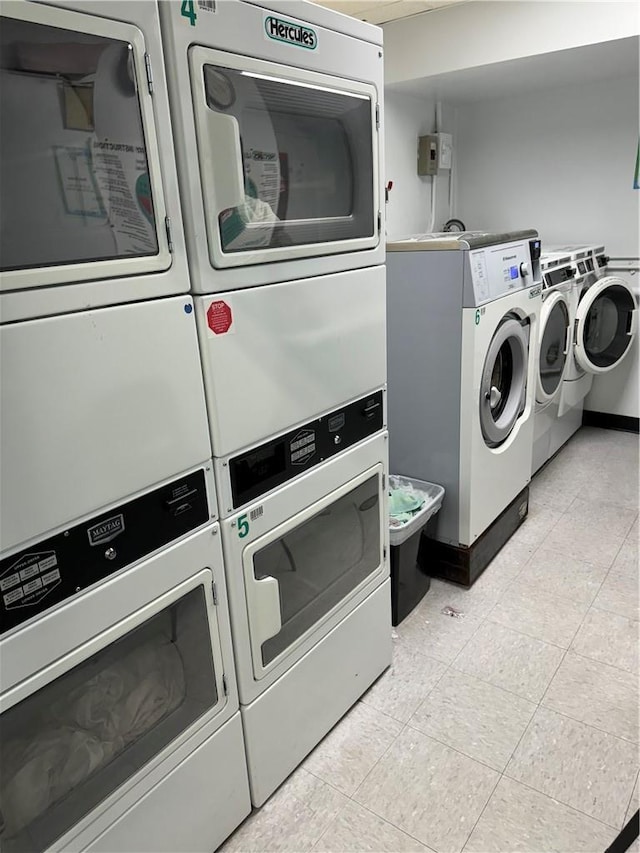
<point x="606" y="325"/>
<point x="504" y="381"/>
<point x="553" y="346"/>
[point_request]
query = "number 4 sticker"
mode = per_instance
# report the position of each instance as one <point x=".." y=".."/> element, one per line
<point x="243" y="526"/>
<point x="188" y="10"/>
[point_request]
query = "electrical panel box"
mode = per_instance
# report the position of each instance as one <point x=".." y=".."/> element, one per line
<point x="435" y="153"/>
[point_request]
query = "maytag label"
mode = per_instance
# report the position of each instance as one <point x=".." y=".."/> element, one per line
<point x="286" y="31"/>
<point x="106" y="530"/>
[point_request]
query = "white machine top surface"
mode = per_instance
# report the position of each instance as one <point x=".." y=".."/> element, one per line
<point x="548" y="260"/>
<point x="456" y="241"/>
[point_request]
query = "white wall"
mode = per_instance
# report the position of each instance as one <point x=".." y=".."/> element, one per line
<point x="409" y="207"/>
<point x="561" y="161"/>
<point x="479" y="33"/>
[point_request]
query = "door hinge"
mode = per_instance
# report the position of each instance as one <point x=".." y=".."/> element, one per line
<point x="379" y="222"/>
<point x="215" y="592"/>
<point x="225" y="687"/>
<point x="147" y="65"/>
<point x="377" y="116"/>
<point x="167" y="225"/>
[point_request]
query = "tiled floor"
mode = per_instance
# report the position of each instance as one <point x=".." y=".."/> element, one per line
<point x="514" y="728"/>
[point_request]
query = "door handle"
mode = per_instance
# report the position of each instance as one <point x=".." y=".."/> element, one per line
<point x="632" y="322"/>
<point x="567" y="339"/>
<point x="263" y="604"/>
<point x="223" y="138"/>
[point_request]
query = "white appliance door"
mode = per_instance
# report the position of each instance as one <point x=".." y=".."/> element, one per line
<point x="606" y="325"/>
<point x="282" y="354"/>
<point x="94" y="407"/>
<point x="503" y="382"/>
<point x="555" y="336"/>
<point x="288" y="160"/>
<point x="80" y="731"/>
<point x="82" y="194"/>
<point x="303" y="570"/>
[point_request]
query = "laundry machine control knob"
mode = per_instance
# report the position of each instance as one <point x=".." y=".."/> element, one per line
<point x="111" y="553"/>
<point x="525" y="270"/>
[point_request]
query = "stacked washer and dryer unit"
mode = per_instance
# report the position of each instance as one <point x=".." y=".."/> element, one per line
<point x="603" y="321"/>
<point x="120" y="722"/>
<point x="463" y="314"/>
<point x="277" y="126"/>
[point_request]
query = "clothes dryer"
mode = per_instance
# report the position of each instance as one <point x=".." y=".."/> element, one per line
<point x="101" y="394"/>
<point x="276" y="115"/>
<point x="558" y="276"/>
<point x="465" y="308"/>
<point x="309" y="593"/>
<point x="119" y="721"/>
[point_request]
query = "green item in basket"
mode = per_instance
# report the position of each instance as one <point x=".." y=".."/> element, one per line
<point x="403" y="505"/>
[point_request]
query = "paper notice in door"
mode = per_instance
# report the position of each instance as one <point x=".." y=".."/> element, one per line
<point x="79" y="191"/>
<point x="123" y="182"/>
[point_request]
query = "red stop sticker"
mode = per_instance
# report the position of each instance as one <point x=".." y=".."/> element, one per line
<point x="219" y="317"/>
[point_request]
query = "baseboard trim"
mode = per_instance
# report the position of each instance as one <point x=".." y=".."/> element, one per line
<point x="607" y="421"/>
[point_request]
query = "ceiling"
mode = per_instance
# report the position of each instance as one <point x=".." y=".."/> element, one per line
<point x="590" y="63"/>
<point x="383" y="11"/>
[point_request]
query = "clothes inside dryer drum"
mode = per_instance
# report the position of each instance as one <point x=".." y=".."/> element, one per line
<point x="67" y="746"/>
<point x="320" y="562"/>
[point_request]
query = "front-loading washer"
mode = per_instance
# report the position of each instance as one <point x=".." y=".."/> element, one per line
<point x="119" y="726"/>
<point x="466" y="309"/>
<point x="309" y="594"/>
<point x="558" y="275"/>
<point x="605" y="319"/>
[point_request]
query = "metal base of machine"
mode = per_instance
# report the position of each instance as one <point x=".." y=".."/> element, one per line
<point x="465" y="565"/>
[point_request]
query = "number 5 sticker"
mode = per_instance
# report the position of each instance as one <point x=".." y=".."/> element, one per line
<point x="243" y="526"/>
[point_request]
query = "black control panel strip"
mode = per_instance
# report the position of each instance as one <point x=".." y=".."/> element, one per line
<point x="259" y="470"/>
<point x="45" y="574"/>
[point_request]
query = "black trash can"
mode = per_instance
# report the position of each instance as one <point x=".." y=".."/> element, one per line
<point x="409" y="584"/>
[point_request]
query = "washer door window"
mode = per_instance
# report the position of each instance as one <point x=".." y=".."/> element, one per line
<point x="504" y="381"/>
<point x="554" y="346"/>
<point x="606" y="323"/>
<point x="300" y="573"/>
<point x="79" y="164"/>
<point x="103" y="713"/>
<point x="287" y="160"/>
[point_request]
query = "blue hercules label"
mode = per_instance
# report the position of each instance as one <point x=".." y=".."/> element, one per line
<point x="291" y="33"/>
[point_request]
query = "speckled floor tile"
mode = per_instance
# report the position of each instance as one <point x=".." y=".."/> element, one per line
<point x="428" y="631"/>
<point x="428" y="790"/>
<point x="634" y="803"/>
<point x="582" y="767"/>
<point x="356" y="829"/>
<point x="409" y="679"/>
<point x="577" y="539"/>
<point x="601" y="696"/>
<point x="519" y="820"/>
<point x="620" y="592"/>
<point x="510" y="660"/>
<point x="532" y="611"/>
<point x="610" y="518"/>
<point x="293" y="819"/>
<point x="351" y="749"/>
<point x="562" y="575"/>
<point x="507" y="565"/>
<point x="608" y="638"/>
<point x="474" y="717"/>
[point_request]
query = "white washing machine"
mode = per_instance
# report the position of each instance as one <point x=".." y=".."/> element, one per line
<point x="554" y="341"/>
<point x="119" y="721"/>
<point x="465" y="308"/>
<point x="309" y="593"/>
<point x="605" y="319"/>
<point x="280" y="165"/>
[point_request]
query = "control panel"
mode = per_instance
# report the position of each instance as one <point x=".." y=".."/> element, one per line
<point x="502" y="269"/>
<point x="263" y="468"/>
<point x="46" y="574"/>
